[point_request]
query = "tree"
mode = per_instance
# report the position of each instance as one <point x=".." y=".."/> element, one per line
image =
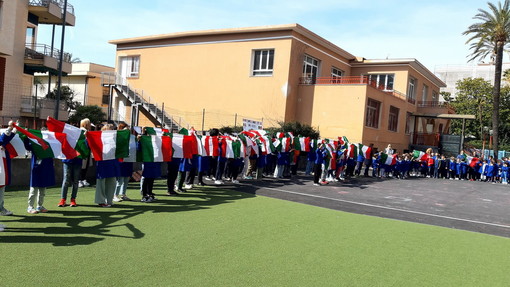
<point x="94" y="113"/>
<point x="489" y="38"/>
<point x="66" y="95"/>
<point x="473" y="97"/>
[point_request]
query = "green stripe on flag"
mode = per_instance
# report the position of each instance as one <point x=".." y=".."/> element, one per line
<point x="122" y="144"/>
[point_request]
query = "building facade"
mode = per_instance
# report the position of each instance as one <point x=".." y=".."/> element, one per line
<point x="21" y="56"/>
<point x="280" y="73"/>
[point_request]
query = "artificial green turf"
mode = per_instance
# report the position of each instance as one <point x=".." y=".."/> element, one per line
<point x="221" y="237"/>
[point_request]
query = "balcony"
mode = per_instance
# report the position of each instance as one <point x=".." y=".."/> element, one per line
<point x="41" y="58"/>
<point x="354" y="80"/>
<point x="435" y="107"/>
<point x="41" y="108"/>
<point x="52" y="11"/>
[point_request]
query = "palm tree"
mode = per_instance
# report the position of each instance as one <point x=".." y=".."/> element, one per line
<point x="489" y="38"/>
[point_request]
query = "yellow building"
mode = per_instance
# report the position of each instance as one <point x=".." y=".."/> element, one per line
<point x="21" y="56"/>
<point x="277" y="73"/>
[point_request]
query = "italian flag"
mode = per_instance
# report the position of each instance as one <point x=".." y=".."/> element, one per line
<point x="388" y="159"/>
<point x="471" y="161"/>
<point x="56" y="143"/>
<point x="420" y="155"/>
<point x="283" y="144"/>
<point x="15" y="147"/>
<point x="183" y="146"/>
<point x="32" y="137"/>
<point x="352" y="150"/>
<point x="156" y="148"/>
<point x="232" y="149"/>
<point x="72" y="133"/>
<point x="365" y="150"/>
<point x="107" y="145"/>
<point x="210" y="144"/>
<point x="302" y="143"/>
<point x="343" y="140"/>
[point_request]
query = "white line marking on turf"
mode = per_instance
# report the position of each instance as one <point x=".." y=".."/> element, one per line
<point x="391" y="208"/>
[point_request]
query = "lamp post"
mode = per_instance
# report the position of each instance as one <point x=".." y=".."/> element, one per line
<point x="61" y="59"/>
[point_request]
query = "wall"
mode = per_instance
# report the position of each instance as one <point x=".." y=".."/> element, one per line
<point x="215" y="77"/>
<point x="339" y="110"/>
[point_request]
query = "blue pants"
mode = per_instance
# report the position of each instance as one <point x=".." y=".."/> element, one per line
<point x="71" y="178"/>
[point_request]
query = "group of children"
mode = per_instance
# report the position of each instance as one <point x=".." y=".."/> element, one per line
<point x="326" y="165"/>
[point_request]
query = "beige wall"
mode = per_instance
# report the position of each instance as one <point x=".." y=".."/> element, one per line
<point x="215" y="77"/>
<point x="339" y="110"/>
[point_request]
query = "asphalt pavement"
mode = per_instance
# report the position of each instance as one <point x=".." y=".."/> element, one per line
<point x="468" y="205"/>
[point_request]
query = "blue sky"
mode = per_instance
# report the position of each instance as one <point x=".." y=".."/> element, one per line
<point x="430" y="31"/>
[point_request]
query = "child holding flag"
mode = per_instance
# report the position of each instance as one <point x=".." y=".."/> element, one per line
<point x="5" y="172"/>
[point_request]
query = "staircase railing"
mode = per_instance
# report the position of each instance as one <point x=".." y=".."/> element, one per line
<point x="147" y="103"/>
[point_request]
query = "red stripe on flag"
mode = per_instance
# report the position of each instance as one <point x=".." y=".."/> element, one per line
<point x="11" y="150"/>
<point x="55" y="125"/>
<point x="95" y="144"/>
<point x="166" y="147"/>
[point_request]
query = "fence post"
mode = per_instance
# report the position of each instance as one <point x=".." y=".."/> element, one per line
<point x="235" y="121"/>
<point x="203" y="120"/>
<point x="163" y="115"/>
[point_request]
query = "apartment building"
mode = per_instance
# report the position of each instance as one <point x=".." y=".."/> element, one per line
<point x="279" y="73"/>
<point x="21" y="56"/>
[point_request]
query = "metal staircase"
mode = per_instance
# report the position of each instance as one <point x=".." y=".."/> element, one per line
<point x="143" y="103"/>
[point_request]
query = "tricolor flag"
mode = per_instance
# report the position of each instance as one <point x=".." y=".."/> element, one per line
<point x="471" y="161"/>
<point x="366" y="151"/>
<point x="182" y="145"/>
<point x="156" y="148"/>
<point x="352" y="151"/>
<point x="232" y="149"/>
<point x="388" y="159"/>
<point x="72" y="133"/>
<point x="32" y="137"/>
<point x="106" y="145"/>
<point x="302" y="143"/>
<point x="343" y="140"/>
<point x="420" y="155"/>
<point x="282" y="144"/>
<point x="210" y="144"/>
<point x="16" y="147"/>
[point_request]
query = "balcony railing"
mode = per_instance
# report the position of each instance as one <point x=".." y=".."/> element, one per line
<point x="434" y="104"/>
<point x="38" y="51"/>
<point x="46" y="3"/>
<point x="354" y="80"/>
<point x="29" y="104"/>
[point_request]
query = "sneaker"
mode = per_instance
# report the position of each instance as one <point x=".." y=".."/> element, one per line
<point x="80" y="183"/>
<point x="41" y="209"/>
<point x="153" y="198"/>
<point x="2" y="229"/>
<point x="188" y="186"/>
<point x="62" y="203"/>
<point x="235" y="181"/>
<point x="105" y="205"/>
<point x="207" y="178"/>
<point x="124" y="197"/>
<point x="248" y="177"/>
<point x="172" y="193"/>
<point x="324" y="182"/>
<point x="5" y="212"/>
<point x="73" y="202"/>
<point x="218" y="182"/>
<point x="201" y="184"/>
<point x="3" y="226"/>
<point x="117" y="199"/>
<point x="32" y="210"/>
<point x="85" y="183"/>
<point x="316" y="184"/>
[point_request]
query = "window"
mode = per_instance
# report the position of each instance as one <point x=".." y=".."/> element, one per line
<point x="372" y="113"/>
<point x="30" y="37"/>
<point x="411" y="90"/>
<point x="382" y="81"/>
<point x="434" y="97"/>
<point x="263" y="62"/>
<point x="424" y="93"/>
<point x="408" y="122"/>
<point x="336" y="74"/>
<point x="106" y="96"/>
<point x="130" y="66"/>
<point x="393" y="119"/>
<point x="310" y="67"/>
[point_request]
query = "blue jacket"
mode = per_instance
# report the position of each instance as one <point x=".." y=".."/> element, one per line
<point x="107" y="168"/>
<point x="4" y="140"/>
